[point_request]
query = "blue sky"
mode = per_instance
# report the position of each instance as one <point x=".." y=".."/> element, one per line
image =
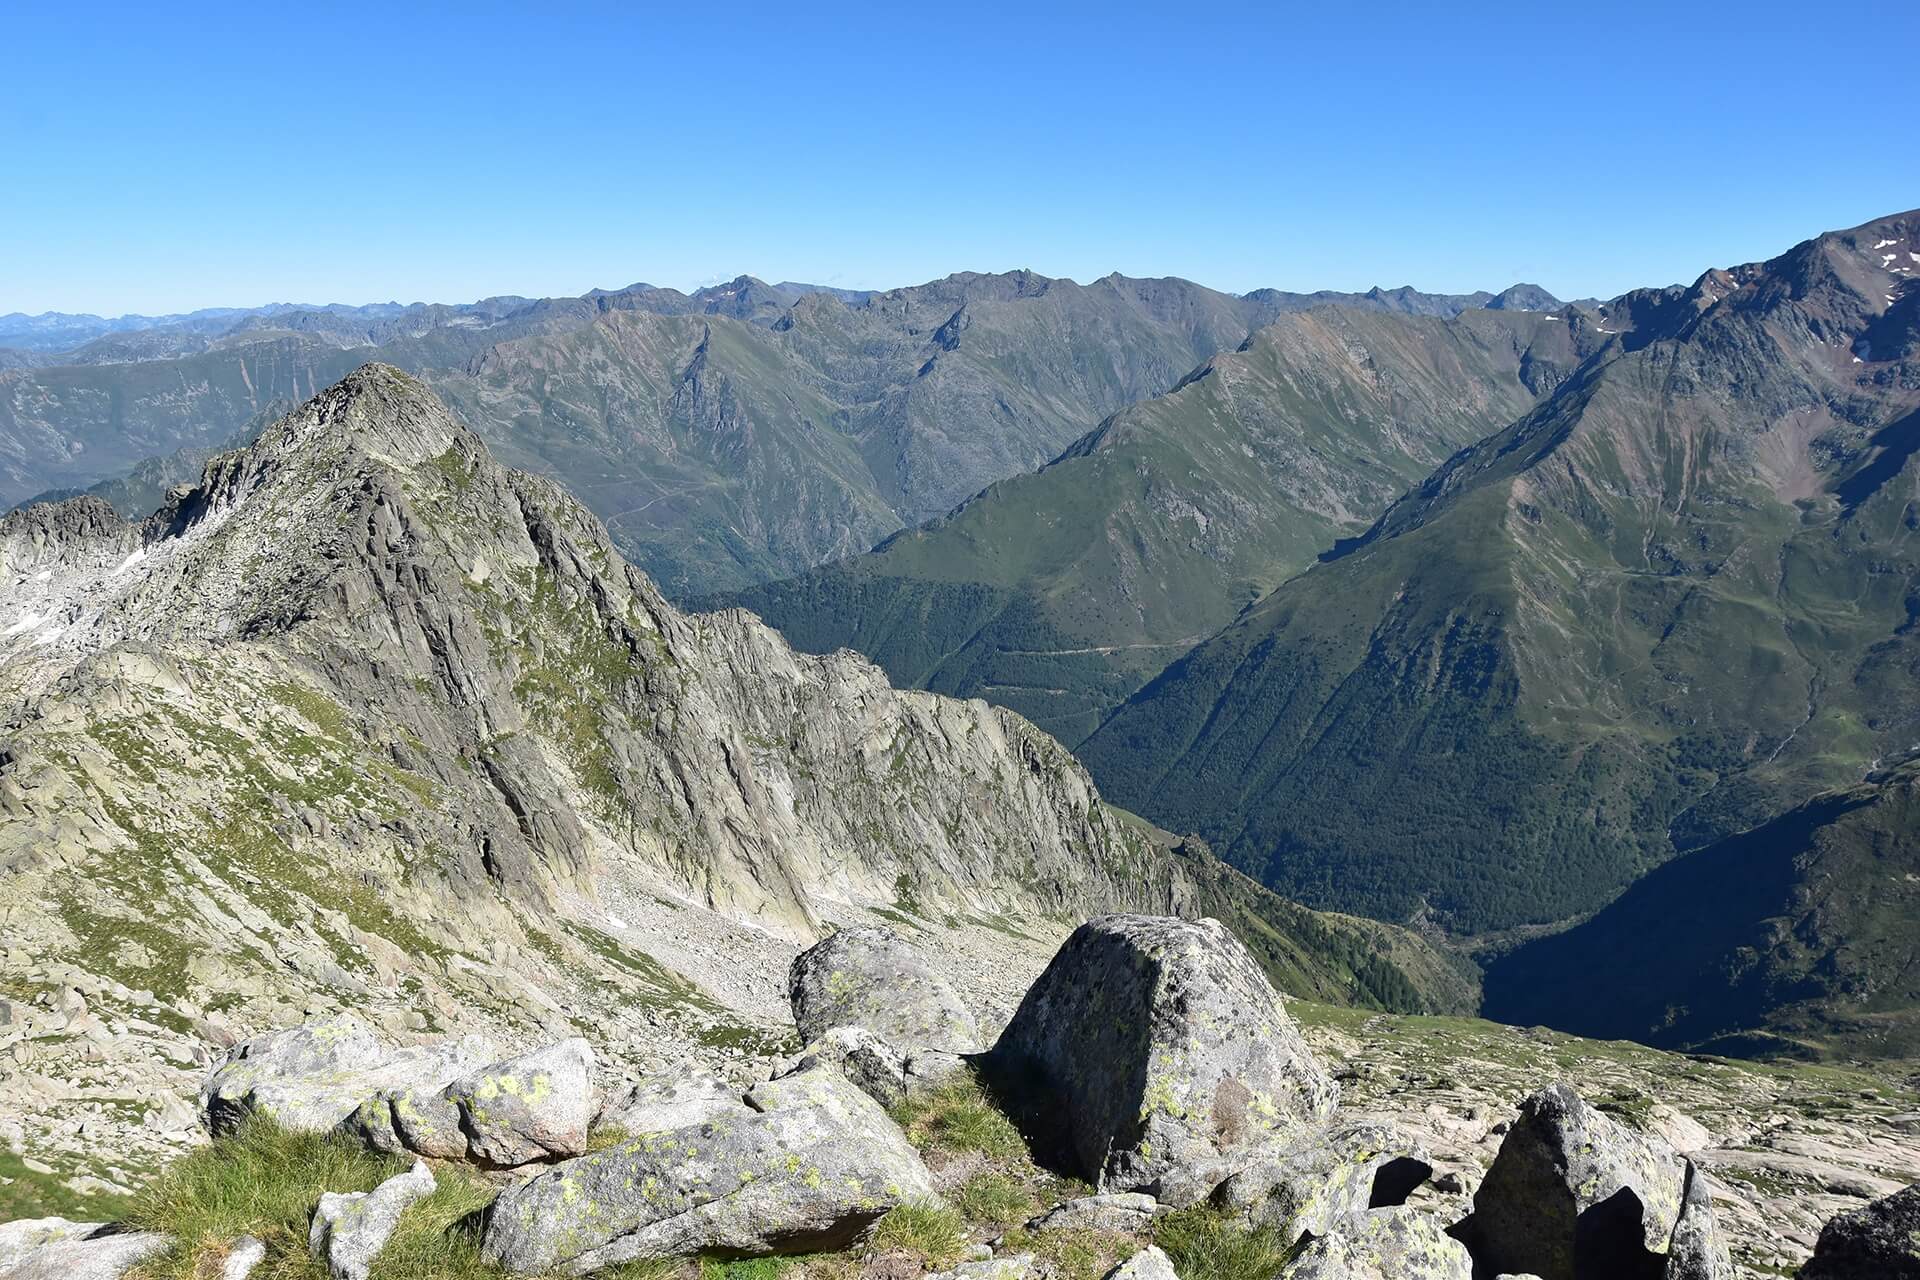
<point x="158" y="159"/>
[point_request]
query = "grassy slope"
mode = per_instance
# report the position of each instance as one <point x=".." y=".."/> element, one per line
<point x="1058" y="593"/>
<point x="1659" y="609"/>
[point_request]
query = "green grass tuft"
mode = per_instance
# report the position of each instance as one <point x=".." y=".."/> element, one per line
<point x="936" y="1235"/>
<point x="995" y="1199"/>
<point x="1205" y="1245"/>
<point x="960" y="1117"/>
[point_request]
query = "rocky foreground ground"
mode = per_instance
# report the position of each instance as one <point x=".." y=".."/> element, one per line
<point x="1151" y="1105"/>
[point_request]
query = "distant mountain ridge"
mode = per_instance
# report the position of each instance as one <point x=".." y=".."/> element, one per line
<point x="742" y="432"/>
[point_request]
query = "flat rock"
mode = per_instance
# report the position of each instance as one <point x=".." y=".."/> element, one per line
<point x="871" y="977"/>
<point x="1881" y="1240"/>
<point x="1151" y="1263"/>
<point x="1383" y="1244"/>
<point x="349" y="1229"/>
<point x="243" y="1255"/>
<point x="57" y="1249"/>
<point x="1017" y="1266"/>
<point x="1573" y="1192"/>
<point x="1117" y="1211"/>
<point x="808" y="1166"/>
<point x="660" y="1103"/>
<point x="1165" y="1053"/>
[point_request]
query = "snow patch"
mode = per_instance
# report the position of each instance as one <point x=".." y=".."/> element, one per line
<point x="616" y="921"/>
<point x="45" y="575"/>
<point x="1884" y="243"/>
<point x="28" y="621"/>
<point x="139" y="554"/>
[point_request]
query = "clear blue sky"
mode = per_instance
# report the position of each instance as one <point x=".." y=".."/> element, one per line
<point x="159" y="157"/>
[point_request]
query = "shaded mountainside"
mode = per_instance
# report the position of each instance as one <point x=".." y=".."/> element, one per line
<point x="738" y="433"/>
<point x="1671" y="601"/>
<point x="1795" y="937"/>
<point x="367" y="719"/>
<point x="1060" y="592"/>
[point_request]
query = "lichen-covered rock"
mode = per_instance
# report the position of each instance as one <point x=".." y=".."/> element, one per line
<point x="313" y="1076"/>
<point x="1151" y="1263"/>
<point x="537" y="1106"/>
<point x="1575" y="1193"/>
<point x="809" y="1165"/>
<point x="1331" y="1174"/>
<point x="1117" y="1211"/>
<point x="349" y="1229"/>
<point x="1166" y="1054"/>
<point x="1881" y="1240"/>
<point x="1383" y="1244"/>
<point x="57" y="1249"/>
<point x="872" y="977"/>
<point x="660" y="1103"/>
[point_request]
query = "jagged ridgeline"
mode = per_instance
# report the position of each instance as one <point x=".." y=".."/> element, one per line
<point x="365" y="718"/>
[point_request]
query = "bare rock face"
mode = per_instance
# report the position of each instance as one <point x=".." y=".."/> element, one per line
<point x="1383" y="1244"/>
<point x="804" y="1164"/>
<point x="1882" y="1240"/>
<point x="537" y="1106"/>
<point x="350" y="1229"/>
<point x="1574" y="1193"/>
<point x="1167" y="1053"/>
<point x="872" y="977"/>
<point x="313" y="1076"/>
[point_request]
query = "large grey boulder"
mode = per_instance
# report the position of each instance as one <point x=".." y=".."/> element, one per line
<point x="349" y="1229"/>
<point x="1165" y="1054"/>
<point x="876" y="1067"/>
<point x="313" y="1076"/>
<point x="537" y="1106"/>
<point x="872" y="977"/>
<point x="1385" y="1244"/>
<point x="1574" y="1193"/>
<point x="1330" y="1174"/>
<point x="808" y="1164"/>
<point x="1881" y="1240"/>
<point x="57" y="1249"/>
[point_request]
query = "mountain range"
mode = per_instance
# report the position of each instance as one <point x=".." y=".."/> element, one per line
<point x="1484" y="615"/>
<point x="740" y="433"/>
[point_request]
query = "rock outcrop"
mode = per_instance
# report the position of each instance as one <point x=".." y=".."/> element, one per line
<point x="1574" y="1194"/>
<point x="313" y="1076"/>
<point x="537" y="1106"/>
<point x="1307" y="1186"/>
<point x="804" y="1164"/>
<point x="349" y="1229"/>
<point x="1168" y="1055"/>
<point x="1882" y="1241"/>
<point x="872" y="977"/>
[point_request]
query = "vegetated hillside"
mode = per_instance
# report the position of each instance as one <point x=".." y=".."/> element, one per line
<point x="1670" y="602"/>
<point x="776" y="428"/>
<point x="1796" y="937"/>
<point x="1060" y="592"/>
<point x="365" y="719"/>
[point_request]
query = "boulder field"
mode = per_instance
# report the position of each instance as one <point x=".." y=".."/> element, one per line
<point x="1152" y="1059"/>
